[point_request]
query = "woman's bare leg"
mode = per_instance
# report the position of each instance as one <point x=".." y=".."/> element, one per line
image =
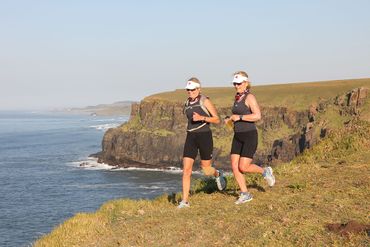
<point x="245" y="165"/>
<point x="237" y="174"/>
<point x="186" y="176"/>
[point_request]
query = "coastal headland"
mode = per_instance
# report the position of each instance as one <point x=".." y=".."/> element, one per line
<point x="294" y="117"/>
<point x="320" y="197"/>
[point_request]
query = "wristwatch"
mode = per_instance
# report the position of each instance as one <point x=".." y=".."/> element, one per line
<point x="240" y="117"/>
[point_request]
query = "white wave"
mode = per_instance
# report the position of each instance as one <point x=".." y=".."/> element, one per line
<point x="104" y="120"/>
<point x="104" y="126"/>
<point x="167" y="170"/>
<point x="97" y="186"/>
<point x="152" y="187"/>
<point x="92" y="164"/>
<point x="173" y="169"/>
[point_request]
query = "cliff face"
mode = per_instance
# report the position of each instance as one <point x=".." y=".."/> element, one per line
<point x="155" y="134"/>
<point x="152" y="137"/>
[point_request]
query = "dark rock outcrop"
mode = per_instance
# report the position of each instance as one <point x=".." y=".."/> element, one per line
<point x="352" y="101"/>
<point x="139" y="148"/>
<point x="351" y="227"/>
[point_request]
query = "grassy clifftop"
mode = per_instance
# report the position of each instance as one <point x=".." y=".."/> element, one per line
<point x="296" y="96"/>
<point x="294" y="116"/>
<point x="327" y="184"/>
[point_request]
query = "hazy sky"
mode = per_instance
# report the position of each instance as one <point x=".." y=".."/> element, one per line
<point x="78" y="53"/>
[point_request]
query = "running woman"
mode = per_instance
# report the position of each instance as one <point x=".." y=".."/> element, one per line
<point x="200" y="112"/>
<point x="244" y="145"/>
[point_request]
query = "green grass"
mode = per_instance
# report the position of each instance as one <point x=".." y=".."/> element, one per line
<point x="296" y="96"/>
<point x="327" y="184"/>
<point x="267" y="137"/>
<point x="134" y="124"/>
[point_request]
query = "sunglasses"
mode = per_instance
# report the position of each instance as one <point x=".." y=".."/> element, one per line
<point x="192" y="90"/>
<point x="237" y="84"/>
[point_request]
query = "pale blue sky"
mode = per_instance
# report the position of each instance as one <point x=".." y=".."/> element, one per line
<point x="77" y="53"/>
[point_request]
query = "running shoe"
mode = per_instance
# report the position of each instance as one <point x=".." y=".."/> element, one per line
<point x="221" y="180"/>
<point x="183" y="204"/>
<point x="269" y="176"/>
<point x="244" y="197"/>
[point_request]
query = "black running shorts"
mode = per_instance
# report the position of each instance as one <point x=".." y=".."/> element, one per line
<point x="245" y="143"/>
<point x="201" y="141"/>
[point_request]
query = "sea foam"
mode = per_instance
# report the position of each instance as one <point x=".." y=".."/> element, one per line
<point x="104" y="126"/>
<point x="92" y="163"/>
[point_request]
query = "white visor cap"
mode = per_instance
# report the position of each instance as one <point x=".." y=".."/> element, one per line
<point x="239" y="78"/>
<point x="192" y="85"/>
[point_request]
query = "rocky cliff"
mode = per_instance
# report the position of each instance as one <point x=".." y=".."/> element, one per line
<point x="155" y="134"/>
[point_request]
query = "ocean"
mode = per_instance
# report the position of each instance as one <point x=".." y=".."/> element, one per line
<point x="42" y="183"/>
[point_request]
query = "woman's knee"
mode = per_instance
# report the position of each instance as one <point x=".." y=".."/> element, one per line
<point x="235" y="166"/>
<point x="244" y="165"/>
<point x="187" y="172"/>
<point x="187" y="166"/>
<point x="243" y="168"/>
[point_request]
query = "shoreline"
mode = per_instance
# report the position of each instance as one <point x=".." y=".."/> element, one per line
<point x="93" y="163"/>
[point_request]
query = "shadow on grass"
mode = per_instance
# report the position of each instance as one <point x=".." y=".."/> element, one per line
<point x="205" y="185"/>
<point x="257" y="187"/>
<point x="202" y="185"/>
<point x="208" y="185"/>
<point x="173" y="199"/>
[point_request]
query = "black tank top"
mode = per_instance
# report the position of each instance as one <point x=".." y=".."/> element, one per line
<point x="190" y="108"/>
<point x="239" y="108"/>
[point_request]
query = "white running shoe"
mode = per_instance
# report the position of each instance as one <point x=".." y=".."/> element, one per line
<point x="221" y="180"/>
<point x="269" y="176"/>
<point x="183" y="204"/>
<point x="244" y="197"/>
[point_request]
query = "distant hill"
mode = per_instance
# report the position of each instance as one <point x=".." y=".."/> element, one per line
<point x="117" y="108"/>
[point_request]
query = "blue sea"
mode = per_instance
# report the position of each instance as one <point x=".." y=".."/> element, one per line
<point x="42" y="183"/>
